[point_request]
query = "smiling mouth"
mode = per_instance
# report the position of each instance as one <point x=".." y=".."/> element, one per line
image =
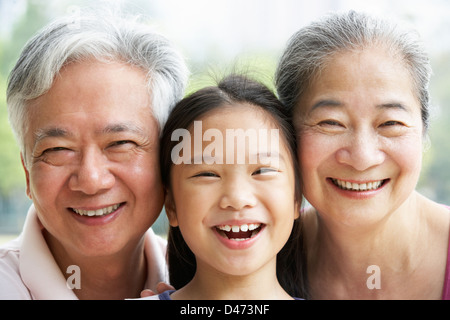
<point x="239" y="232"/>
<point x="97" y="213"/>
<point x="351" y="186"/>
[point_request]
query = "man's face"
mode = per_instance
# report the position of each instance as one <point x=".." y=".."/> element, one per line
<point x="92" y="158"/>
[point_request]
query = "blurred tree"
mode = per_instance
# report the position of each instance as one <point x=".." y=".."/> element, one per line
<point x="436" y="173"/>
<point x="13" y="200"/>
<point x="11" y="172"/>
<point x="34" y="18"/>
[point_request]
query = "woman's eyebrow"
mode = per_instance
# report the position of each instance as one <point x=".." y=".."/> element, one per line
<point x="326" y="103"/>
<point x="335" y="103"/>
<point x="393" y="105"/>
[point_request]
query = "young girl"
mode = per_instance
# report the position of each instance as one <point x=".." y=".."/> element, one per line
<point x="228" y="163"/>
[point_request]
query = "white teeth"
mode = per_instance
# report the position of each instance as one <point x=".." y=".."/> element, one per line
<point x="243" y="228"/>
<point x="99" y="212"/>
<point x="357" y="186"/>
<point x="225" y="228"/>
<point x="254" y="227"/>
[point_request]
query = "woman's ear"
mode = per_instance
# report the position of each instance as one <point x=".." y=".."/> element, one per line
<point x="171" y="211"/>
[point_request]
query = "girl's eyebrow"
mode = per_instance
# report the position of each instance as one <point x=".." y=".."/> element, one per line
<point x="202" y="159"/>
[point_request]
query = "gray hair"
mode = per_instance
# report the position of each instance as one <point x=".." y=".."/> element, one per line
<point x="104" y="37"/>
<point x="308" y="50"/>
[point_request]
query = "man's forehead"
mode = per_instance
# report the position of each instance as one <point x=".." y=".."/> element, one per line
<point x="62" y="131"/>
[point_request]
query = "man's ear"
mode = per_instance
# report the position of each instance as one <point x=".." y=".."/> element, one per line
<point x="298" y="208"/>
<point x="171" y="211"/>
<point x="27" y="175"/>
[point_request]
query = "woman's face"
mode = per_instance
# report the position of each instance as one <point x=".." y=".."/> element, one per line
<point x="360" y="133"/>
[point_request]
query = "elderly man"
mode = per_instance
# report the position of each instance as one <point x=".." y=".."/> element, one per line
<point x="86" y="102"/>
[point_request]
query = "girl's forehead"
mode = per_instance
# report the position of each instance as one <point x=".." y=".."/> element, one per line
<point x="243" y="113"/>
<point x="242" y="126"/>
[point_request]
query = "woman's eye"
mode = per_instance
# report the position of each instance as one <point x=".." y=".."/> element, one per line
<point x="391" y="123"/>
<point x="330" y="123"/>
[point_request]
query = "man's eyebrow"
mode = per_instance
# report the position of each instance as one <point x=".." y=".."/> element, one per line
<point x="56" y="132"/>
<point x="122" y="127"/>
<point x="49" y="133"/>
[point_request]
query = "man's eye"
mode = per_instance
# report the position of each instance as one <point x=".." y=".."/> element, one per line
<point x="54" y="149"/>
<point x="56" y="156"/>
<point x="120" y="143"/>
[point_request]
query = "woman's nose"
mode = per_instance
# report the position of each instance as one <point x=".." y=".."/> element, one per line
<point x="237" y="194"/>
<point x="362" y="151"/>
<point x="92" y="174"/>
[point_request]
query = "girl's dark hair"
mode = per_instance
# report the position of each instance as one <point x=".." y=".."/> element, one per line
<point x="291" y="271"/>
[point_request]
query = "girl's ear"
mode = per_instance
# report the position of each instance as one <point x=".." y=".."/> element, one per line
<point x="170" y="209"/>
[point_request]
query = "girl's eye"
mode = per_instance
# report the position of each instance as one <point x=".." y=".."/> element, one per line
<point x="205" y="174"/>
<point x="265" y="171"/>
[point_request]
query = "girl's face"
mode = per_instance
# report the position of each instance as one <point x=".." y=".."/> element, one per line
<point x="237" y="212"/>
<point x="360" y="137"/>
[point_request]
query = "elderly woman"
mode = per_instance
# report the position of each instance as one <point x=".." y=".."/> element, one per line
<point x="357" y="88"/>
<point x="87" y="100"/>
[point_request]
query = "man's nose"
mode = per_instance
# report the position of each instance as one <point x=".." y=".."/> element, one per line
<point x="92" y="174"/>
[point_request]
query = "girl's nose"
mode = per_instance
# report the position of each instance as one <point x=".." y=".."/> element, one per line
<point x="237" y="195"/>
